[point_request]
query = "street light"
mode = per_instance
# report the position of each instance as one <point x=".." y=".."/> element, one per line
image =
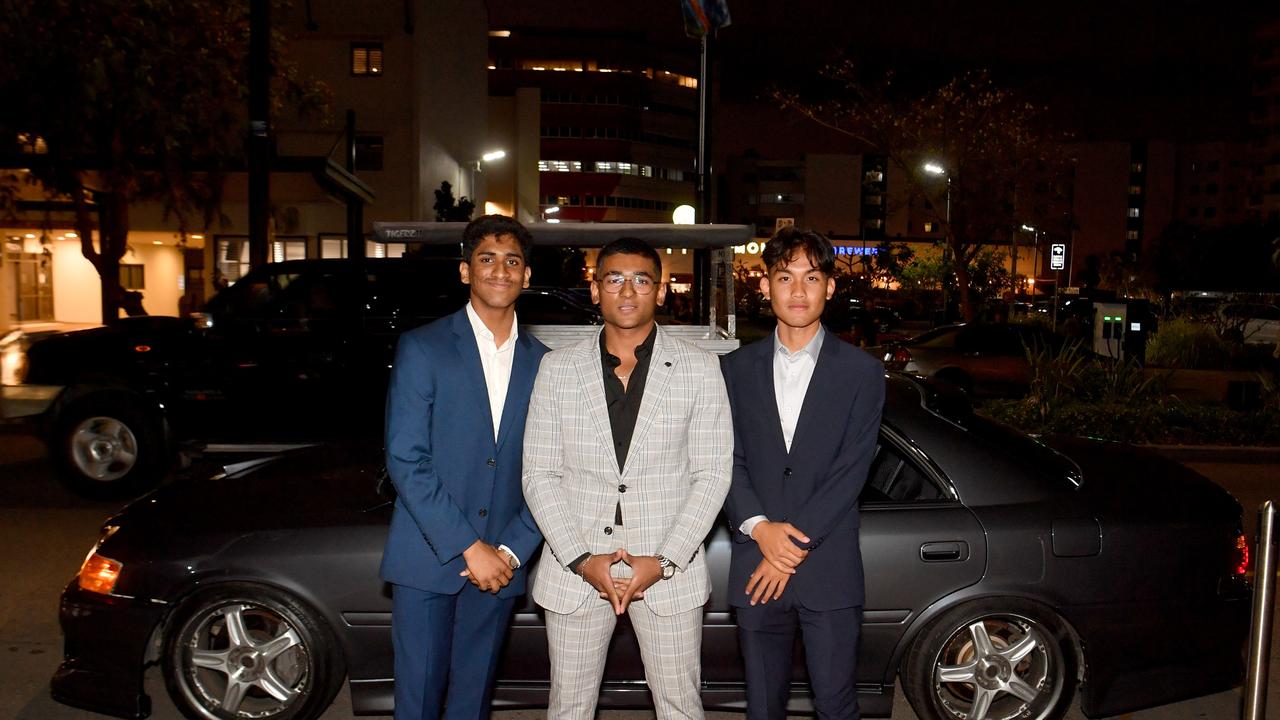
<point x="474" y="167"/>
<point x="935" y="169"/>
<point x="1036" y="240"/>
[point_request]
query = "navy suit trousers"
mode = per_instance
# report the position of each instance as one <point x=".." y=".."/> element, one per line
<point x="767" y="635"/>
<point x="446" y="651"/>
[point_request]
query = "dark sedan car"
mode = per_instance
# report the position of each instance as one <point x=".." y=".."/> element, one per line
<point x="985" y="359"/>
<point x="1001" y="577"/>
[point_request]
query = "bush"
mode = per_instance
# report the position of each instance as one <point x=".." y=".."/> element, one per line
<point x="1190" y="345"/>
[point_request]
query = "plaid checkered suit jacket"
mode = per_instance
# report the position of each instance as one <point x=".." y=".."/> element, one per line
<point x="676" y="476"/>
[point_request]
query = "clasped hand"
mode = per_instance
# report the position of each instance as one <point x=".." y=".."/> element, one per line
<point x="774" y="541"/>
<point x="488" y="568"/>
<point x="645" y="571"/>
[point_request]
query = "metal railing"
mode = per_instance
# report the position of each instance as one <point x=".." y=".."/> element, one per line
<point x="1264" y="590"/>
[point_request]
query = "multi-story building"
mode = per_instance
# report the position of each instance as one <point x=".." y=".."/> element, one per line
<point x="1264" y="124"/>
<point x="617" y="121"/>
<point x="413" y="73"/>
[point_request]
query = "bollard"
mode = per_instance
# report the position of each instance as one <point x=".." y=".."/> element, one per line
<point x="1264" y="590"/>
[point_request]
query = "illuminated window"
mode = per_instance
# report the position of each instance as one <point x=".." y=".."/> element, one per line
<point x="1135" y="167"/>
<point x="1135" y="212"/>
<point x="552" y="65"/>
<point x="366" y="59"/>
<point x="1135" y="189"/>
<point x="928" y="227"/>
<point x="559" y="166"/>
<point x="1131" y="235"/>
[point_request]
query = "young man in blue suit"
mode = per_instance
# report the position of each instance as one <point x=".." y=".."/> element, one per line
<point x="461" y="531"/>
<point x="806" y="415"/>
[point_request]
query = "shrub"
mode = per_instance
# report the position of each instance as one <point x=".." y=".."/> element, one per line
<point x="1187" y="344"/>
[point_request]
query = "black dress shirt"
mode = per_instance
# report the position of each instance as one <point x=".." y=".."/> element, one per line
<point x="624" y="402"/>
<point x="624" y="408"/>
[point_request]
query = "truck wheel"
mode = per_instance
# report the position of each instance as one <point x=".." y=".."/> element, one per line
<point x="106" y="448"/>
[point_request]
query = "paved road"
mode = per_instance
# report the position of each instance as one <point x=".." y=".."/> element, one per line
<point x="45" y="532"/>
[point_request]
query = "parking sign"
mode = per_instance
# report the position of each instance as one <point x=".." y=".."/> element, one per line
<point x="1057" y="256"/>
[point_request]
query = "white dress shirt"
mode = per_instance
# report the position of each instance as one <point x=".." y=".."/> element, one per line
<point x="495" y="361"/>
<point x="792" y="372"/>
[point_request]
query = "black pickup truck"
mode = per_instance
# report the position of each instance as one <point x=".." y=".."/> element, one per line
<point x="295" y="351"/>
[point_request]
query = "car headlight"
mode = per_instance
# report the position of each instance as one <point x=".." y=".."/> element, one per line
<point x="98" y="573"/>
<point x="13" y="358"/>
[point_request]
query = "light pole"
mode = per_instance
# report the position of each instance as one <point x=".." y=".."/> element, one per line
<point x="935" y="169"/>
<point x="1035" y="239"/>
<point x="475" y="167"/>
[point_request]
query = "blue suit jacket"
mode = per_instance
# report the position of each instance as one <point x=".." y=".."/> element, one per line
<point x="816" y="485"/>
<point x="454" y="483"/>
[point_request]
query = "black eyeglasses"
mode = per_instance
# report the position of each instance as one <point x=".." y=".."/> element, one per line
<point x="613" y="282"/>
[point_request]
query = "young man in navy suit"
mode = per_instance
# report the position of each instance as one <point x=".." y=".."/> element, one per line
<point x="806" y="415"/>
<point x="461" y="531"/>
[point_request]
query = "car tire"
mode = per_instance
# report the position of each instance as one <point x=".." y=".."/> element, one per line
<point x="106" y="447"/>
<point x="254" y="648"/>
<point x="1028" y="669"/>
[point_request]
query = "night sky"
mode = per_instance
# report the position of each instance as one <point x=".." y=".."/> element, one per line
<point x="1175" y="69"/>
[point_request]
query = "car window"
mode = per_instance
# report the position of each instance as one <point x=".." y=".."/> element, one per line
<point x="413" y="292"/>
<point x="254" y="295"/>
<point x="895" y="478"/>
<point x="318" y="295"/>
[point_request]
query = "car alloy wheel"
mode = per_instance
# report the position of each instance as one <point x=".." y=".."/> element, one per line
<point x="108" y="447"/>
<point x="992" y="660"/>
<point x="103" y="448"/>
<point x="250" y="654"/>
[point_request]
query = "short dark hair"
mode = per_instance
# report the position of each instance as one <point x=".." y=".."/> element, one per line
<point x="485" y="225"/>
<point x="631" y="246"/>
<point x="783" y="246"/>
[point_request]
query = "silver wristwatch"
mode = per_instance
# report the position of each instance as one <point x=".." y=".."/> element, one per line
<point x="668" y="567"/>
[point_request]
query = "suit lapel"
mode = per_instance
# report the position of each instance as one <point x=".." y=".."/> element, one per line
<point x="824" y="378"/>
<point x="523" y="370"/>
<point x="764" y="380"/>
<point x="469" y="354"/>
<point x="591" y="373"/>
<point x="656" y="384"/>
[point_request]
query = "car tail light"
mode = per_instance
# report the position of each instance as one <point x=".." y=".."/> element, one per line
<point x="99" y="573"/>
<point x="1240" y="559"/>
<point x="898" y="356"/>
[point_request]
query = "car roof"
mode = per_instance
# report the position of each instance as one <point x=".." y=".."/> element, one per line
<point x="578" y="234"/>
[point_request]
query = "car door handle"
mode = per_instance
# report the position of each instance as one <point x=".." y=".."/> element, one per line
<point x="952" y="551"/>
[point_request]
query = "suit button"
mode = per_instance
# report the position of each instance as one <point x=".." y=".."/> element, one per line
<point x="608" y="531"/>
<point x="491" y="462"/>
<point x="622" y="488"/>
<point x="786" y="472"/>
<point x="483" y="512"/>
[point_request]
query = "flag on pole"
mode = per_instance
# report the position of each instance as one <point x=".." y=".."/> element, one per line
<point x="703" y="16"/>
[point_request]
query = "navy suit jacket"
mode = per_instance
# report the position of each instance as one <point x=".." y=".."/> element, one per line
<point x="815" y="486"/>
<point x="454" y="483"/>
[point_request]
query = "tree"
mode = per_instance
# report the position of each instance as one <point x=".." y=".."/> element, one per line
<point x="450" y="210"/>
<point x="1002" y="165"/>
<point x="115" y="102"/>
